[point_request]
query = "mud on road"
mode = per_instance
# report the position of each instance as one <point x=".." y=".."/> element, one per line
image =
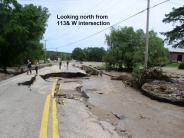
<point x="100" y="107"/>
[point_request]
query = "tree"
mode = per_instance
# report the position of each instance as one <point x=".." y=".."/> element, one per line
<point x="175" y="36"/>
<point x="110" y="58"/>
<point x="94" y="53"/>
<point x="89" y="54"/>
<point x="124" y="42"/>
<point x="126" y="48"/>
<point x="78" y="54"/>
<point x="158" y="54"/>
<point x="21" y="29"/>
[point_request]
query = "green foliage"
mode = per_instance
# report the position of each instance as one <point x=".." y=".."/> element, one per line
<point x="122" y="45"/>
<point x="137" y="80"/>
<point x="78" y="54"/>
<point x="88" y="54"/>
<point x="126" y="48"/>
<point x="175" y="36"/>
<point x="158" y="54"/>
<point x="172" y="65"/>
<point x="110" y="57"/>
<point x="62" y="56"/>
<point x="181" y="65"/>
<point x="142" y="75"/>
<point x="94" y="53"/>
<point x="21" y="29"/>
<point x="53" y="55"/>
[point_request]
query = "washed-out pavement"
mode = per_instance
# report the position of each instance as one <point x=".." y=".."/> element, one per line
<point x="113" y="110"/>
<point x="89" y="107"/>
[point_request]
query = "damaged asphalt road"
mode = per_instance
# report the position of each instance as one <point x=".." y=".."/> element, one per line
<point x="73" y="107"/>
<point x="111" y="110"/>
<point x="88" y="107"/>
<point x="20" y="108"/>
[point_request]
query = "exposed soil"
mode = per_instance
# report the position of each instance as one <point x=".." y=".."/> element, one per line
<point x="130" y="113"/>
<point x="116" y="109"/>
<point x="142" y="117"/>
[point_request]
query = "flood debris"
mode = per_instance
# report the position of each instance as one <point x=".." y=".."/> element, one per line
<point x="64" y="75"/>
<point x="175" y="77"/>
<point x="57" y="88"/>
<point x="121" y="77"/>
<point x="119" y="116"/>
<point x="123" y="133"/>
<point x="165" y="91"/>
<point x="141" y="76"/>
<point x="77" y="94"/>
<point x="100" y="93"/>
<point x="92" y="71"/>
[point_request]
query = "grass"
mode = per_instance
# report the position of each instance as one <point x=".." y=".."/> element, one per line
<point x="172" y="65"/>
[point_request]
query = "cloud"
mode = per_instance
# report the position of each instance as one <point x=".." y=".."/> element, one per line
<point x="59" y="36"/>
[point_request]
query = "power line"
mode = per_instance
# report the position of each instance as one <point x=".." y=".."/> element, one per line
<point x="97" y="7"/>
<point x="71" y="43"/>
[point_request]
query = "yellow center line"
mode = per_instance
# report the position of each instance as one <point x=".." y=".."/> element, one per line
<point x="55" y="132"/>
<point x="45" y="115"/>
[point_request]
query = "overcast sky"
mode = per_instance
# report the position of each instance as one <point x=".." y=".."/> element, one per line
<point x="66" y="38"/>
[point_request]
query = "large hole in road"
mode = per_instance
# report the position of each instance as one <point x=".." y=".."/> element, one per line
<point x="64" y="75"/>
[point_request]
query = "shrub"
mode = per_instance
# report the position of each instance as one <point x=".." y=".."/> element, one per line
<point x="141" y="76"/>
<point x="181" y="65"/>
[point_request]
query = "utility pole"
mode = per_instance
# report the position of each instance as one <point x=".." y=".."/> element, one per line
<point x="147" y="36"/>
<point x="45" y="51"/>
